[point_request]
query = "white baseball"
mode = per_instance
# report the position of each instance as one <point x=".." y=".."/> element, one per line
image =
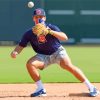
<point x="30" y="4"/>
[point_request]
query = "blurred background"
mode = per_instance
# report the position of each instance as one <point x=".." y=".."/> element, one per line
<point x="79" y="19"/>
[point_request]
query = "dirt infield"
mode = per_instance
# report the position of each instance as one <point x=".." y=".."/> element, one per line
<point x="55" y="91"/>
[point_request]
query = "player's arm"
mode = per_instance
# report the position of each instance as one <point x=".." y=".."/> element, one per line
<point x="23" y="43"/>
<point x="60" y="35"/>
<point x="55" y="31"/>
<point x="16" y="51"/>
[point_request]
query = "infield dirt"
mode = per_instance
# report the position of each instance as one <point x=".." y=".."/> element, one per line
<point x="55" y="91"/>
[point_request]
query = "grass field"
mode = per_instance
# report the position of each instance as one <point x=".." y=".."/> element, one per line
<point x="14" y="70"/>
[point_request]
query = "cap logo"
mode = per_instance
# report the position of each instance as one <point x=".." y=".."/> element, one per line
<point x="38" y="12"/>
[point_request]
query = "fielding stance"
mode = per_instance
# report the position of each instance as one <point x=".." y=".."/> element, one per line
<point x="45" y="41"/>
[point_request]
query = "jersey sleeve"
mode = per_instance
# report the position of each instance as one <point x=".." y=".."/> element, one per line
<point x="54" y="27"/>
<point x="24" y="40"/>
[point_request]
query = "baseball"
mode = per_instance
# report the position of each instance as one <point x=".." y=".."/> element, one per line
<point x="30" y="4"/>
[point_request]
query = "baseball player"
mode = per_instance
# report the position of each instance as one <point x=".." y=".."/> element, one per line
<point x="45" y="40"/>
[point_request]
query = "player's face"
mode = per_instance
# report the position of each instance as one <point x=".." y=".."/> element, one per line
<point x="36" y="19"/>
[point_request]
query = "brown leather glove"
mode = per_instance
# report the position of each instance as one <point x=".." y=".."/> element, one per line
<point x="40" y="29"/>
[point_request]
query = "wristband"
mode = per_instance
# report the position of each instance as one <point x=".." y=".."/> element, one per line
<point x="50" y="31"/>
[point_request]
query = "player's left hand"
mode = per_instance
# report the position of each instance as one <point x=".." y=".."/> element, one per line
<point x="14" y="54"/>
<point x="40" y="29"/>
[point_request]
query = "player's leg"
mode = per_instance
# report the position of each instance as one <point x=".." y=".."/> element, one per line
<point x="66" y="64"/>
<point x="33" y="65"/>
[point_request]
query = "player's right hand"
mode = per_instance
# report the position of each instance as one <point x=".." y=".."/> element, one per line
<point x="14" y="54"/>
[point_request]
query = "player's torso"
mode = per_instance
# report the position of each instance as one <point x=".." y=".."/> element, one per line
<point x="44" y="44"/>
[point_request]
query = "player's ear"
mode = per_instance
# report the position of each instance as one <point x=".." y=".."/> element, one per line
<point x="44" y="18"/>
<point x="33" y="18"/>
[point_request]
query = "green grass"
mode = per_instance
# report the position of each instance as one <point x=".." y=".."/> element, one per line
<point x="14" y="70"/>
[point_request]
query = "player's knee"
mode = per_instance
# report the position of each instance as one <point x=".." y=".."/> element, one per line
<point x="64" y="65"/>
<point x="29" y="64"/>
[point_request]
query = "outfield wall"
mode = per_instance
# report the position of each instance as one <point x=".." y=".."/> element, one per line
<point x="80" y="19"/>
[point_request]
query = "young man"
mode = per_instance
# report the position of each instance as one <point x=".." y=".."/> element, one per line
<point x="45" y="41"/>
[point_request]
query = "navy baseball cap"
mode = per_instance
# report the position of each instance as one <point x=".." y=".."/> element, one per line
<point x="39" y="11"/>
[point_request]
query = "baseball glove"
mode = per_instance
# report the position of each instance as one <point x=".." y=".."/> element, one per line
<point x="40" y="29"/>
